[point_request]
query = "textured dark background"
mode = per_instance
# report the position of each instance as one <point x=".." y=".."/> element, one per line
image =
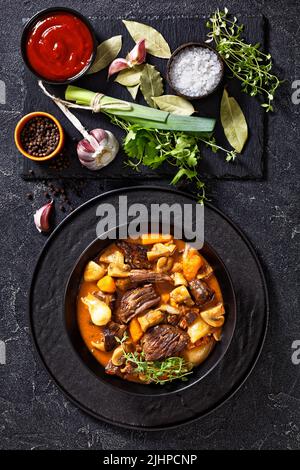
<point x="265" y="413"/>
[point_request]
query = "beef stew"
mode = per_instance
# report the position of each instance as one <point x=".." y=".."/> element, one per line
<point x="150" y="310"/>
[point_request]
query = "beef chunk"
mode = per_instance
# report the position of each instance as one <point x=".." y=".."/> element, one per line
<point x="109" y="299"/>
<point x="140" y="276"/>
<point x="173" y="319"/>
<point x="136" y="301"/>
<point x="189" y="318"/>
<point x="163" y="341"/>
<point x="134" y="255"/>
<point x="201" y="292"/>
<point x="111" y="369"/>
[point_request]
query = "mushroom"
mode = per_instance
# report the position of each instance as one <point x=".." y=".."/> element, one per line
<point x="214" y="316"/>
<point x="164" y="264"/>
<point x="159" y="249"/>
<point x="118" y="270"/>
<point x="100" y="312"/>
<point x="99" y="344"/>
<point x="179" y="279"/>
<point x="217" y="334"/>
<point x="150" y="318"/>
<point x="198" y="329"/>
<point x="169" y="309"/>
<point x="181" y="295"/>
<point x="118" y="358"/>
<point x="93" y="272"/>
<point x="197" y="355"/>
<point x="106" y="341"/>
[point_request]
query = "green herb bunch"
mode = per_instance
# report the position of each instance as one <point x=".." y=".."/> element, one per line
<point x="159" y="372"/>
<point x="246" y="61"/>
<point x="152" y="148"/>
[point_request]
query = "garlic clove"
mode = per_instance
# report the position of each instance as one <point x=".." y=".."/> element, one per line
<point x="117" y="65"/>
<point x="138" y="54"/>
<point x="41" y="217"/>
<point x="99" y="134"/>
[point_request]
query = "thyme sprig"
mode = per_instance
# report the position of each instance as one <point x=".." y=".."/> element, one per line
<point x="246" y="61"/>
<point x="158" y="372"/>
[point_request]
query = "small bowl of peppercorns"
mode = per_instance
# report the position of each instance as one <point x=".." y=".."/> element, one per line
<point x="39" y="136"/>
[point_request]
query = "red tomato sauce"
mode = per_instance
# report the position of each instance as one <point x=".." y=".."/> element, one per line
<point x="59" y="46"/>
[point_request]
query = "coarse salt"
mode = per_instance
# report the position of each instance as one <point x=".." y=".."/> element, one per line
<point x="195" y="71"/>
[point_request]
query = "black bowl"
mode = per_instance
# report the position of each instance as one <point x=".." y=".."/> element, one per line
<point x="187" y="46"/>
<point x="42" y="14"/>
<point x="70" y="311"/>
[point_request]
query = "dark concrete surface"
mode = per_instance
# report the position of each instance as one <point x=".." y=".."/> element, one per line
<point x="265" y="413"/>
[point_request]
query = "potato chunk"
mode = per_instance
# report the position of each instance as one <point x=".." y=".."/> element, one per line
<point x="150" y="318"/>
<point x="197" y="355"/>
<point x="159" y="249"/>
<point x="181" y="295"/>
<point x="93" y="272"/>
<point x="179" y="279"/>
<point x="118" y="270"/>
<point x="198" y="329"/>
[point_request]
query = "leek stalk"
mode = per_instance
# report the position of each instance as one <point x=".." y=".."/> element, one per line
<point x="144" y="116"/>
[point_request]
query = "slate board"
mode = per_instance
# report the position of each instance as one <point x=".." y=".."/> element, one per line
<point x="177" y="30"/>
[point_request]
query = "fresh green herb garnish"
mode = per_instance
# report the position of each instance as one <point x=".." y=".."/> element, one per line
<point x="246" y="61"/>
<point x="152" y="148"/>
<point x="159" y="372"/>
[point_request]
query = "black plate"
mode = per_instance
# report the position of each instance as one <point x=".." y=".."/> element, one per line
<point x="83" y="387"/>
<point x="220" y="271"/>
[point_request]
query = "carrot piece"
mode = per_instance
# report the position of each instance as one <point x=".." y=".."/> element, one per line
<point x="135" y="330"/>
<point x="165" y="297"/>
<point x="191" y="263"/>
<point x="151" y="238"/>
<point x="107" y="284"/>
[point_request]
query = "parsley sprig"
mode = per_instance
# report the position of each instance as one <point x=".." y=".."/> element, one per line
<point x="246" y="61"/>
<point x="152" y="148"/>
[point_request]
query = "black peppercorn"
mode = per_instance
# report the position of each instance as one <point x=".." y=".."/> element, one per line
<point x="40" y="136"/>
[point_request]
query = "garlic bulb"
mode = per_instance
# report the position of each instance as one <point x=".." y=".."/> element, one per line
<point x="41" y="217"/>
<point x="98" y="150"/>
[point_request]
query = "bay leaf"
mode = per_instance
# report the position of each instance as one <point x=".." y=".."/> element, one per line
<point x="133" y="90"/>
<point x="107" y="51"/>
<point x="174" y="104"/>
<point x="234" y="122"/>
<point x="130" y="77"/>
<point x="151" y="84"/>
<point x="156" y="44"/>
